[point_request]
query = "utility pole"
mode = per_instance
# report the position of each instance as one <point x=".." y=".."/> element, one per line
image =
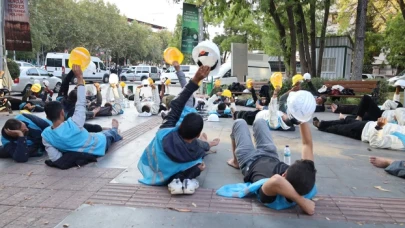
<point x="2" y="39"/>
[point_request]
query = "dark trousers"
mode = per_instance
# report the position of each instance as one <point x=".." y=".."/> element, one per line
<point x="369" y="107"/>
<point x="248" y="116"/>
<point x="92" y="127"/>
<point x="348" y="127"/>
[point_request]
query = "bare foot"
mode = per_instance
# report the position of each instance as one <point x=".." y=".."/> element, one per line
<point x="115" y="124"/>
<point x="341" y="116"/>
<point x="214" y="142"/>
<point x="359" y="118"/>
<point x="333" y="107"/>
<point x="232" y="163"/>
<point x="380" y="162"/>
<point x="95" y="111"/>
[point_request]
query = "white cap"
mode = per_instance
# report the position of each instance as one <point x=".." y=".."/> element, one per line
<point x="307" y="76"/>
<point x="113" y="79"/>
<point x="46" y="83"/>
<point x="301" y="105"/>
<point x="207" y="53"/>
<point x="213" y="118"/>
<point x="145" y="82"/>
<point x="400" y="83"/>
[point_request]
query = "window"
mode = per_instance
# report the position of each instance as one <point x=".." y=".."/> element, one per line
<point x="154" y="70"/>
<point x="138" y="70"/>
<point x="185" y="68"/>
<point x="67" y="63"/>
<point x="328" y="65"/>
<point x="95" y="63"/>
<point x="43" y="72"/>
<point x="145" y="69"/>
<point x="54" y="62"/>
<point x="102" y="66"/>
<point x="32" y="72"/>
<point x="228" y="74"/>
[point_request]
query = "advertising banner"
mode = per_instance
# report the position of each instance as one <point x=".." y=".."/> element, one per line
<point x="17" y="26"/>
<point x="190" y="28"/>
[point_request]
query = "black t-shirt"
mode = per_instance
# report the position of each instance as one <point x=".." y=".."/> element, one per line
<point x="265" y="167"/>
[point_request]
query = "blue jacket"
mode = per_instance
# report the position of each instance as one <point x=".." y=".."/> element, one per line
<point x="245" y="189"/>
<point x="168" y="153"/>
<point x="20" y="149"/>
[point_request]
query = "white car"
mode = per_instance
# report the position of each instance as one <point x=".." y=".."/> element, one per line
<point x="29" y="75"/>
<point x="188" y="70"/>
<point x="24" y="65"/>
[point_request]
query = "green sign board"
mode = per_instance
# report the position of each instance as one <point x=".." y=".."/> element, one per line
<point x="190" y="28"/>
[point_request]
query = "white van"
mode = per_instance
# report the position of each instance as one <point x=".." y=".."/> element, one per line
<point x="188" y="70"/>
<point x="57" y="64"/>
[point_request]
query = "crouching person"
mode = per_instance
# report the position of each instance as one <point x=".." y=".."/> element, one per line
<point x="70" y="135"/>
<point x="175" y="154"/>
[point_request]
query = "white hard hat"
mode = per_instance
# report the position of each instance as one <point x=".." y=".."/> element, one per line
<point x="145" y="82"/>
<point x="46" y="83"/>
<point x="400" y="83"/>
<point x="307" y="76"/>
<point x="301" y="105"/>
<point x="213" y="118"/>
<point x="113" y="79"/>
<point x="207" y="53"/>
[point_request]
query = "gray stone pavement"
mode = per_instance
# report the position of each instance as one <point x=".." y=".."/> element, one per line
<point x="342" y="164"/>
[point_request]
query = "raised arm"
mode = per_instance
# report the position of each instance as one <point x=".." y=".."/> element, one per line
<point x="137" y="101"/>
<point x="79" y="116"/>
<point x="397" y="94"/>
<point x="178" y="103"/>
<point x="64" y="88"/>
<point x="307" y="145"/>
<point x="156" y="100"/>
<point x="180" y="74"/>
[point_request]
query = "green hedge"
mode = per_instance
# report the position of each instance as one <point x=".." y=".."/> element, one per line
<point x="13" y="68"/>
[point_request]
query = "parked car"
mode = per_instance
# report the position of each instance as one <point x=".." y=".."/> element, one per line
<point x="139" y="73"/>
<point x="189" y="71"/>
<point x="29" y="75"/>
<point x="24" y="65"/>
<point x="57" y="64"/>
<point x="367" y="76"/>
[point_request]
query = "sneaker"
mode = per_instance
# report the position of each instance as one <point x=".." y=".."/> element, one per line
<point x="189" y="186"/>
<point x="163" y="114"/>
<point x="175" y="187"/>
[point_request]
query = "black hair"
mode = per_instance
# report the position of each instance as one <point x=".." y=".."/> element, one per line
<point x="145" y="108"/>
<point x="221" y="106"/>
<point x="52" y="110"/>
<point x="107" y="104"/>
<point x="323" y="97"/>
<point x="191" y="126"/>
<point x="73" y="96"/>
<point x="302" y="175"/>
<point x="12" y="124"/>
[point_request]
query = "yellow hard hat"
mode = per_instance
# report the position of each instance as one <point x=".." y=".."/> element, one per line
<point x="276" y="79"/>
<point x="122" y="84"/>
<point x="79" y="56"/>
<point x="172" y="54"/>
<point x="297" y="78"/>
<point x="227" y="93"/>
<point x="249" y="83"/>
<point x="150" y="81"/>
<point x="36" y="88"/>
<point x="167" y="82"/>
<point x="217" y="83"/>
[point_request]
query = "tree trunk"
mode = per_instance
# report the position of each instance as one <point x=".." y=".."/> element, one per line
<point x="303" y="60"/>
<point x="305" y="36"/>
<point x="293" y="40"/>
<point x="312" y="12"/>
<point x="402" y="7"/>
<point x="282" y="34"/>
<point x="322" y="39"/>
<point x="279" y="63"/>
<point x="360" y="37"/>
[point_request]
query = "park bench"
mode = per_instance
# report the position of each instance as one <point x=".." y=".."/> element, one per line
<point x="257" y="86"/>
<point x="360" y="88"/>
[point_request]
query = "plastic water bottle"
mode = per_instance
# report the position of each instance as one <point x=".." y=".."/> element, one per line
<point x="287" y="155"/>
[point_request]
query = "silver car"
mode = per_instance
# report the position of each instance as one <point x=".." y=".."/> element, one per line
<point x="28" y="77"/>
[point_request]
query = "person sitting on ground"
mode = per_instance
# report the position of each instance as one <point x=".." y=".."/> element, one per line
<point x="368" y="109"/>
<point x="69" y="135"/>
<point x="129" y="95"/>
<point x="21" y="137"/>
<point x="297" y="81"/>
<point x="29" y="102"/>
<point x="278" y="185"/>
<point x="395" y="168"/>
<point x="150" y="107"/>
<point x="275" y="119"/>
<point x="47" y="93"/>
<point x="223" y="111"/>
<point x="253" y="102"/>
<point x="380" y="133"/>
<point x="175" y="154"/>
